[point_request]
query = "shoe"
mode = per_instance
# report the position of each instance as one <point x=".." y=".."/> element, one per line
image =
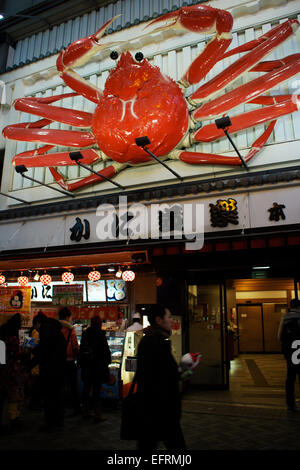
<point x="292" y="408"/>
<point x="99" y="419"/>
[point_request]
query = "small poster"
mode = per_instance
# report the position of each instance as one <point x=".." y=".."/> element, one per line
<point x="68" y="295"/>
<point x="15" y="300"/>
<point x="96" y="291"/>
<point x="115" y="290"/>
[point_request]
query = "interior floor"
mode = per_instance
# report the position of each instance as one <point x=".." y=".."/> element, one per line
<point x="255" y="380"/>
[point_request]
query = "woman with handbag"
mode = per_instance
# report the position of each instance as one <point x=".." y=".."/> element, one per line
<point x="158" y="393"/>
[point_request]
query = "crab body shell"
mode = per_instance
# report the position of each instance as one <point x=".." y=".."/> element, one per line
<point x="138" y="100"/>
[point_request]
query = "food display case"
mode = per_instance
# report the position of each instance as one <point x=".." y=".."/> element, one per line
<point x="116" y="340"/>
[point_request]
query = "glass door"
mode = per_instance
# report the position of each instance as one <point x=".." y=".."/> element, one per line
<point x="208" y="334"/>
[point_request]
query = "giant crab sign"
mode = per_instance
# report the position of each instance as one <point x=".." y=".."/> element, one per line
<point x="139" y="100"/>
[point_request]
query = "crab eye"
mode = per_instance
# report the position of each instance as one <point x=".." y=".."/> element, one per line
<point x="139" y="56"/>
<point x="114" y="55"/>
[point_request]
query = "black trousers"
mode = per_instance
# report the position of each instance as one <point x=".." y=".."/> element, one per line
<point x="174" y="440"/>
<point x="71" y="384"/>
<point x="292" y="372"/>
<point x="52" y="392"/>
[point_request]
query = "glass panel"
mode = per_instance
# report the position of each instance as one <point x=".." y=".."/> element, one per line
<point x="205" y="333"/>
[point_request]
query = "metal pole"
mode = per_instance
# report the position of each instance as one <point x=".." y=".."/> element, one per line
<point x="98" y="174"/>
<point x="233" y="145"/>
<point x="162" y="163"/>
<point x="48" y="186"/>
<point x="16" y="198"/>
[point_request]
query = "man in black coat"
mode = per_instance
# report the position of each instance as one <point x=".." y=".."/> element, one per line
<point x="158" y="385"/>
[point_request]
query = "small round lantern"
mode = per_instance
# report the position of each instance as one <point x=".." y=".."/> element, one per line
<point x="2" y="279"/>
<point x="67" y="277"/>
<point x="23" y="280"/>
<point x="45" y="279"/>
<point x="128" y="275"/>
<point x="94" y="276"/>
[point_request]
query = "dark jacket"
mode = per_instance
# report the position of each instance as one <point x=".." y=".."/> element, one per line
<point x="157" y="384"/>
<point x="51" y="351"/>
<point x="94" y="367"/>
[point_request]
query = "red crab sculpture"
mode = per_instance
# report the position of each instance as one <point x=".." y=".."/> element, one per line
<point x="138" y="100"/>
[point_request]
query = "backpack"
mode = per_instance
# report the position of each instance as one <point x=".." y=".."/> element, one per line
<point x="290" y="333"/>
<point x="86" y="354"/>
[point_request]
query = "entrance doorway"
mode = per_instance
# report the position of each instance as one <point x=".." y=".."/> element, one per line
<point x="208" y="334"/>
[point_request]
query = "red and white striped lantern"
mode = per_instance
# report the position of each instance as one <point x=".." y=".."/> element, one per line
<point x="67" y="277"/>
<point x="2" y="279"/>
<point x="23" y="280"/>
<point x="94" y="276"/>
<point x="128" y="275"/>
<point x="45" y="279"/>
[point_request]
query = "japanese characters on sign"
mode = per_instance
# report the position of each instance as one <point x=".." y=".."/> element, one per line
<point x="224" y="212"/>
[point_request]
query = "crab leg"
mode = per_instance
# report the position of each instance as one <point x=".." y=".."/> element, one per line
<point x="246" y="92"/>
<point x="50" y="136"/>
<point x="108" y="172"/>
<point x="201" y="19"/>
<point x="269" y="65"/>
<point x="41" y="107"/>
<point x="34" y="158"/>
<point x="283" y="106"/>
<point x="245" y="63"/>
<point x="196" y="158"/>
<point x="77" y="54"/>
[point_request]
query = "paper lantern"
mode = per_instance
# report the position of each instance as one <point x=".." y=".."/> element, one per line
<point x="94" y="276"/>
<point x="128" y="275"/>
<point x="23" y="280"/>
<point x="45" y="279"/>
<point x="67" y="277"/>
<point x="2" y="279"/>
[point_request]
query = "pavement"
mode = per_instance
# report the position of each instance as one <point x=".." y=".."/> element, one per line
<point x="242" y="419"/>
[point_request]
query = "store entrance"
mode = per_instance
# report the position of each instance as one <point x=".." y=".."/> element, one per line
<point x="208" y="334"/>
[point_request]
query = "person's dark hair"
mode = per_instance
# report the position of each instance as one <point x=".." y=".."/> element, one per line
<point x="295" y="303"/>
<point x="154" y="311"/>
<point x="64" y="313"/>
<point x="11" y="327"/>
<point x="96" y="322"/>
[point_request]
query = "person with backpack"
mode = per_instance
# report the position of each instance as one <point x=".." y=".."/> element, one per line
<point x="71" y="382"/>
<point x="94" y="359"/>
<point x="289" y="335"/>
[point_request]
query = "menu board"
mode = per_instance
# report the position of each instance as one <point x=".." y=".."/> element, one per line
<point x="96" y="291"/>
<point x="115" y="290"/>
<point x="68" y="295"/>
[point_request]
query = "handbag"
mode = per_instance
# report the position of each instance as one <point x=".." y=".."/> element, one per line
<point x="130" y="415"/>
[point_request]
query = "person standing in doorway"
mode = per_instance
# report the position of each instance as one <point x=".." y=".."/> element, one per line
<point x="158" y="391"/>
<point x="71" y="382"/>
<point x="288" y="334"/>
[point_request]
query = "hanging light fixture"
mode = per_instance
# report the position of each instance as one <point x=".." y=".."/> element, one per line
<point x="2" y="279"/>
<point x="128" y="275"/>
<point x="45" y="279"/>
<point x="23" y="280"/>
<point x="94" y="275"/>
<point x="36" y="276"/>
<point x="67" y="277"/>
<point x="119" y="273"/>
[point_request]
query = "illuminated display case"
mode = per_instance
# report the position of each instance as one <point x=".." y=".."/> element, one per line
<point x="116" y="340"/>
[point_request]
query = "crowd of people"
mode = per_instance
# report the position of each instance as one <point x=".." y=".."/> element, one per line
<point x="44" y="375"/>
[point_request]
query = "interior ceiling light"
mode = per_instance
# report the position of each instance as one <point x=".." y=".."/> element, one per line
<point x="23" y="280"/>
<point x="94" y="275"/>
<point x="2" y="279"/>
<point x="261" y="267"/>
<point x="45" y="279"/>
<point x="67" y="277"/>
<point x="128" y="275"/>
<point x="111" y="269"/>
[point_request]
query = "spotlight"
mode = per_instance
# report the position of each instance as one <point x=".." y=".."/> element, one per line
<point x="142" y="141"/>
<point x="20" y="169"/>
<point x="36" y="277"/>
<point x="223" y="122"/>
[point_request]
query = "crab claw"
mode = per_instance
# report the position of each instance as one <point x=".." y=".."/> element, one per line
<point x="80" y="51"/>
<point x="197" y="19"/>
